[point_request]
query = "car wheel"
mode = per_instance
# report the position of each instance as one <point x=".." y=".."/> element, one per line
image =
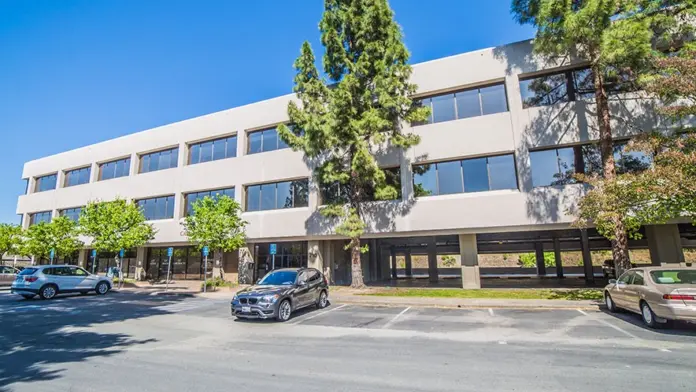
<point x="323" y="300"/>
<point x="49" y="291"/>
<point x="28" y="296"/>
<point x="611" y="305"/>
<point x="284" y="311"/>
<point x="102" y="288"/>
<point x="649" y="317"/>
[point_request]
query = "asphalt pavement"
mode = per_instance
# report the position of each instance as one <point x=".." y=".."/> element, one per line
<point x="141" y="342"/>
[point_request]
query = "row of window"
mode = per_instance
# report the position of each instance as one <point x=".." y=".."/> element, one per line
<point x="468" y="175"/>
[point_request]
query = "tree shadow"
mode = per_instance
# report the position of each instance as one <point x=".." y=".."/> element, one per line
<point x="37" y="336"/>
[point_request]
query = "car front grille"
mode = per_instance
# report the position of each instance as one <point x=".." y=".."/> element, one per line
<point x="253" y="301"/>
<point x="242" y="300"/>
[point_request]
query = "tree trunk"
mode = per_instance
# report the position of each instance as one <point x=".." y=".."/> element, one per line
<point x="356" y="265"/>
<point x="619" y="244"/>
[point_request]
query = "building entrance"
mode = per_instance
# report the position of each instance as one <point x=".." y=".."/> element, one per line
<point x="288" y="255"/>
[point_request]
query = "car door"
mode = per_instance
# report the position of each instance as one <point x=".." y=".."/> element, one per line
<point x="302" y="296"/>
<point x="314" y="285"/>
<point x="82" y="279"/>
<point x="634" y="290"/>
<point x="7" y="275"/>
<point x="64" y="279"/>
<point x="618" y="294"/>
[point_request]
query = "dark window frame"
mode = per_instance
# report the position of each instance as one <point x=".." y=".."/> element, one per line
<point x="166" y="199"/>
<point x="275" y="195"/>
<point x="69" y="212"/>
<point x="325" y="197"/>
<point x="115" y="162"/>
<point x="207" y="193"/>
<point x="223" y="139"/>
<point x="149" y="155"/>
<point x="68" y="174"/>
<point x="33" y="216"/>
<point x="462" y="175"/>
<point x="454" y="93"/>
<point x="40" y="179"/>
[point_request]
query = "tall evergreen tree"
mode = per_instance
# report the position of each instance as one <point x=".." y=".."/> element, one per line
<point x="362" y="105"/>
<point x="613" y="36"/>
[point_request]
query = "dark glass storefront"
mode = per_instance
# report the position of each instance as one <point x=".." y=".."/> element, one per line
<point x="187" y="263"/>
<point x="288" y="255"/>
<point x="106" y="260"/>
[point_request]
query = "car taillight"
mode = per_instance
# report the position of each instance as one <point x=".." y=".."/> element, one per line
<point x="679" y="297"/>
<point x="31" y="278"/>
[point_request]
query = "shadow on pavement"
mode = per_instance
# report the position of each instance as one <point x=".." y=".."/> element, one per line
<point x="674" y="328"/>
<point x="37" y="335"/>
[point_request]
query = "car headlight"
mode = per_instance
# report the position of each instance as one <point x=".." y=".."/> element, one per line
<point x="270" y="298"/>
<point x="235" y="298"/>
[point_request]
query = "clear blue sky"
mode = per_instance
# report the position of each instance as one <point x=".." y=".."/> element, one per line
<point x="73" y="73"/>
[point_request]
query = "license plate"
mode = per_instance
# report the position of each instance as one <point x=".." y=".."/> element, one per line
<point x="246" y="309"/>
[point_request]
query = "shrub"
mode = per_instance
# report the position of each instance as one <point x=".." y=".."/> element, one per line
<point x="449" y="261"/>
<point x="217" y="282"/>
<point x="528" y="260"/>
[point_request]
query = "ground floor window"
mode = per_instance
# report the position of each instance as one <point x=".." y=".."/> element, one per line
<point x="288" y="255"/>
<point x="106" y="260"/>
<point x="187" y="263"/>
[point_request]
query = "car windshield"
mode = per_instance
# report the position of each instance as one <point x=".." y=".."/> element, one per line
<point x="279" y="278"/>
<point x="674" y="276"/>
<point x="27" y="271"/>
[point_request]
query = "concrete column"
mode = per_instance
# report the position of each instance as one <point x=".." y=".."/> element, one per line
<point x="94" y="173"/>
<point x="541" y="265"/>
<point x="586" y="256"/>
<point x="313" y="201"/>
<point x="141" y="261"/>
<point x="393" y="262"/>
<point x="409" y="264"/>
<point x="468" y="251"/>
<point x="60" y="179"/>
<point x="432" y="260"/>
<point x="82" y="257"/>
<point x="406" y="176"/>
<point x="315" y="258"/>
<point x="665" y="244"/>
<point x="557" y="256"/>
<point x="134" y="164"/>
<point x="328" y="258"/>
<point x="182" y="159"/>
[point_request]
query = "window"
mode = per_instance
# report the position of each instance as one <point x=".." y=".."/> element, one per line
<point x="626" y="277"/>
<point x="26" y="186"/>
<point x="71" y="213"/>
<point x="76" y="271"/>
<point x="77" y="176"/>
<point x="191" y="198"/>
<point x="558" y="166"/>
<point x="466" y="103"/>
<point x="40" y="217"/>
<point x="468" y="175"/>
<point x="114" y="169"/>
<point x="287" y="194"/>
<point x="159" y="160"/>
<point x="570" y="85"/>
<point x="638" y="278"/>
<point x="264" y="140"/>
<point x="338" y="193"/>
<point x="213" y="150"/>
<point x="157" y="207"/>
<point x="45" y="183"/>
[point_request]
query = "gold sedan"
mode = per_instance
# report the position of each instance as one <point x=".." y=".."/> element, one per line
<point x="658" y="294"/>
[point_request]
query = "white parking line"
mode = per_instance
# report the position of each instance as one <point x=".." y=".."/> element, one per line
<point x="608" y="324"/>
<point x="318" y="314"/>
<point x="393" y="320"/>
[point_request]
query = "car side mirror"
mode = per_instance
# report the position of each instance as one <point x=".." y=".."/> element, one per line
<point x="612" y="281"/>
<point x="258" y="281"/>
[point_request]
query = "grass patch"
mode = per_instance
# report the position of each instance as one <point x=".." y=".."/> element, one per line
<point x="213" y="284"/>
<point x="567" y="294"/>
<point x="125" y="280"/>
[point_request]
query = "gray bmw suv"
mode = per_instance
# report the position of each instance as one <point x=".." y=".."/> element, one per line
<point x="282" y="292"/>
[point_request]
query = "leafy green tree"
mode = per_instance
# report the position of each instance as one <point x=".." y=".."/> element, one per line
<point x="115" y="225"/>
<point x="343" y="120"/>
<point x="10" y="239"/>
<point x="614" y="36"/>
<point x="528" y="260"/>
<point x="60" y="235"/>
<point x="216" y="223"/>
<point x="666" y="191"/>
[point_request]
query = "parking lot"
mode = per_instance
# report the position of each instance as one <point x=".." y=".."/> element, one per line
<point x="190" y="343"/>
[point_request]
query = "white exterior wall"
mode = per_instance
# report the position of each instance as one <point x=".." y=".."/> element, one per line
<point x="516" y="131"/>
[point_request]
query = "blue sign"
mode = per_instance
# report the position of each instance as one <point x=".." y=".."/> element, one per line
<point x="170" y="252"/>
<point x="53" y="253"/>
<point x="206" y="251"/>
<point x="272" y="249"/>
<point x="94" y="253"/>
<point x="121" y="253"/>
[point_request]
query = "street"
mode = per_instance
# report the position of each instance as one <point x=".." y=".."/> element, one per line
<point x="127" y="341"/>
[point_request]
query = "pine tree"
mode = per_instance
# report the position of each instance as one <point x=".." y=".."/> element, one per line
<point x="362" y="104"/>
<point x="613" y="36"/>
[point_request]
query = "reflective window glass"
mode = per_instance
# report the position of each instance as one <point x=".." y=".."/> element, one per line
<point x="46" y="183"/>
<point x="449" y="177"/>
<point x="443" y="108"/>
<point x="544" y="167"/>
<point x="159" y="160"/>
<point x="268" y="197"/>
<point x="493" y="99"/>
<point x="468" y="104"/>
<point x="544" y="90"/>
<point x="255" y="139"/>
<point x="425" y="180"/>
<point x="253" y="197"/>
<point x="284" y="196"/>
<point x="475" y="175"/>
<point x="501" y="171"/>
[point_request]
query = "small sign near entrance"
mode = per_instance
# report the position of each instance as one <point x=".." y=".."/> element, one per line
<point x="272" y="249"/>
<point x="94" y="253"/>
<point x="53" y="254"/>
<point x="170" y="252"/>
<point x="206" y="251"/>
<point x="121" y="253"/>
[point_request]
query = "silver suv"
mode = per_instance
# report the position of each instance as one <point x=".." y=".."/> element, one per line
<point x="49" y="280"/>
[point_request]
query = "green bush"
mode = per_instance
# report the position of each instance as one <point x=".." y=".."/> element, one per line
<point x="214" y="283"/>
<point x="528" y="260"/>
<point x="449" y="261"/>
